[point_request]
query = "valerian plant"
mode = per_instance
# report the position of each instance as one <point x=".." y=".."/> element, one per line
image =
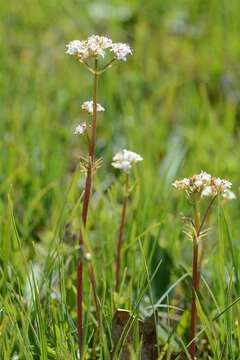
<point x="123" y="160"/>
<point x="197" y="187"/>
<point x="92" y="53"/>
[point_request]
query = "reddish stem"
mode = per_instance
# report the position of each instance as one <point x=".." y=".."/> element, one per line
<point x="120" y="236"/>
<point x="94" y="288"/>
<point x="86" y="199"/>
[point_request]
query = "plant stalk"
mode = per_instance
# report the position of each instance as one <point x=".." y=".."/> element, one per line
<point x="196" y="264"/>
<point x="120" y="235"/>
<point x="195" y="282"/>
<point x="86" y="199"/>
<point x="195" y="285"/>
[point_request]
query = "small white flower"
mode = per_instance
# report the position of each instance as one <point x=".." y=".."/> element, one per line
<point x="207" y="191"/>
<point x="121" y="51"/>
<point x="182" y="184"/>
<point x="226" y="184"/>
<point x="78" y="48"/>
<point x="80" y="129"/>
<point x="122" y="165"/>
<point x="205" y="176"/>
<point x="217" y="182"/>
<point x="198" y="183"/>
<point x="221" y="185"/>
<point x="125" y="159"/>
<point x="87" y="256"/>
<point x="88" y="107"/>
<point x="128" y="156"/>
<point x="229" y="195"/>
<point x="98" y="44"/>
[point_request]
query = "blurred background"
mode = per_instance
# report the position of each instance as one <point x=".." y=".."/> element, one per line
<point x="176" y="101"/>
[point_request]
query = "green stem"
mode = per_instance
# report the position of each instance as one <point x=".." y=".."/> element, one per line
<point x="121" y="233"/>
<point x="108" y="65"/>
<point x="195" y="282"/>
<point x="206" y="215"/>
<point x="198" y="224"/>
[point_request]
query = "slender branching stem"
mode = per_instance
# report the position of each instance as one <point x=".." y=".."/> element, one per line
<point x="121" y="233"/>
<point x="107" y="66"/>
<point x="86" y="199"/>
<point x="205" y="216"/>
<point x="100" y="71"/>
<point x="204" y="223"/>
<point x="92" y="71"/>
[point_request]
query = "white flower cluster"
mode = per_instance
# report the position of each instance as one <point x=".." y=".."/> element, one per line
<point x="124" y="160"/>
<point x="96" y="46"/>
<point x="80" y="129"/>
<point x="121" y="51"/>
<point x="88" y="107"/>
<point x="206" y="185"/>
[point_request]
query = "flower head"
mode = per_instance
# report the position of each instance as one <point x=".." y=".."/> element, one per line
<point x="229" y="195"/>
<point x="206" y="185"/>
<point x="121" y="51"/>
<point x="97" y="46"/>
<point x="124" y="160"/>
<point x="80" y="129"/>
<point x="77" y="48"/>
<point x="88" y="107"/>
<point x="94" y="46"/>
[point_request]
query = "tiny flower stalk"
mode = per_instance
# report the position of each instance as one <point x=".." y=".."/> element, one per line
<point x="124" y="161"/>
<point x="89" y="52"/>
<point x="198" y="187"/>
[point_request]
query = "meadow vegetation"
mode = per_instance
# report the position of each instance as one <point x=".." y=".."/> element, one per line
<point x="176" y="102"/>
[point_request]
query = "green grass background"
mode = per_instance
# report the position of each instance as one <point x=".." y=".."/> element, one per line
<point x="175" y="102"/>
